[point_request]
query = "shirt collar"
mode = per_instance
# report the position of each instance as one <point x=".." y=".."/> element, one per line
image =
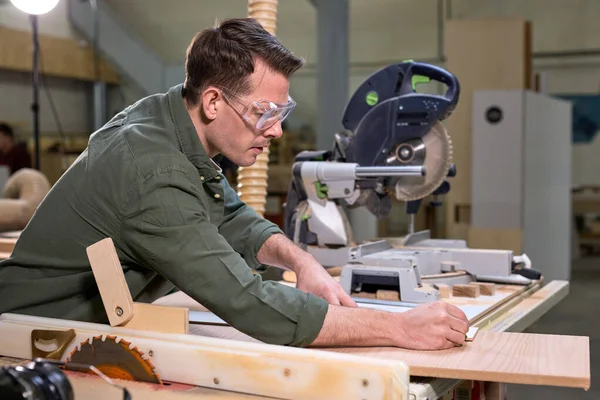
<point x="186" y="133"/>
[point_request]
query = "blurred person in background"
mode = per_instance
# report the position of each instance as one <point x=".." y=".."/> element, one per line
<point x="14" y="155"/>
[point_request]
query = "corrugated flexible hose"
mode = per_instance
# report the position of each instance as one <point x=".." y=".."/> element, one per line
<point x="24" y="191"/>
<point x="252" y="180"/>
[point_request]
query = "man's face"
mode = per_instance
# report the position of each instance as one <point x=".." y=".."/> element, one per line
<point x="234" y="132"/>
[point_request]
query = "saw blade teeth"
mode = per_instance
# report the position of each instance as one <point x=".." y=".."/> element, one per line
<point x="120" y="355"/>
<point x="150" y="364"/>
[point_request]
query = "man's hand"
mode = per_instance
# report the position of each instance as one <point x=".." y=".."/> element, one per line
<point x="432" y="326"/>
<point x="312" y="278"/>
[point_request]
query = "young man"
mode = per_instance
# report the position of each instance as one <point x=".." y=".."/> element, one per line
<point x="148" y="181"/>
<point x="14" y="155"/>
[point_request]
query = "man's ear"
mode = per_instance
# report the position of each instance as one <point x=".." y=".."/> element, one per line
<point x="210" y="102"/>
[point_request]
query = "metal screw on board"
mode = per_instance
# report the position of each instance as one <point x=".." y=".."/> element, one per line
<point x="365" y="382"/>
<point x="216" y="381"/>
<point x="119" y="311"/>
<point x="287" y="372"/>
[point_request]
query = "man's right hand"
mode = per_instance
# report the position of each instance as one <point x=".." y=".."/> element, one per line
<point x="432" y="326"/>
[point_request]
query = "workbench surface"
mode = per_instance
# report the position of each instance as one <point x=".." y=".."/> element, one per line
<point x="512" y="309"/>
<point x="518" y="308"/>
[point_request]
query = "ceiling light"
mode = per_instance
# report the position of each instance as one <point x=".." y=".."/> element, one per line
<point x="35" y="7"/>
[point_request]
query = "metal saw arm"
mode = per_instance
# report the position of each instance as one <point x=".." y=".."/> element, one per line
<point x="320" y="188"/>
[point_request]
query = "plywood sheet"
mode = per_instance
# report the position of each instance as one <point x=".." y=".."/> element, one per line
<point x="63" y="57"/>
<point x="493" y="356"/>
<point x="533" y="359"/>
<point x="484" y="54"/>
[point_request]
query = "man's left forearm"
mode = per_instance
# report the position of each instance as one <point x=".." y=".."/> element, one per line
<point x="279" y="251"/>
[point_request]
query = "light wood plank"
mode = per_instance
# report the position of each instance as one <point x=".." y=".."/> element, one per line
<point x="520" y="358"/>
<point x="443" y="289"/>
<point x="483" y="54"/>
<point x="240" y="366"/>
<point x="62" y="57"/>
<point x="498" y="353"/>
<point x="465" y="291"/>
<point x="485" y="288"/>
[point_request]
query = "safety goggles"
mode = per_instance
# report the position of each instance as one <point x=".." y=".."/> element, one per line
<point x="261" y="114"/>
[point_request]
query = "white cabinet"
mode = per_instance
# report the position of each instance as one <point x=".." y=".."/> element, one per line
<point x="521" y="177"/>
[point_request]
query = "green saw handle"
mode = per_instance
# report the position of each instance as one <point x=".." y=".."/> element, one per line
<point x="419" y="72"/>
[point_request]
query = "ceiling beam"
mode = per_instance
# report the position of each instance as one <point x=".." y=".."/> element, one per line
<point x="131" y="56"/>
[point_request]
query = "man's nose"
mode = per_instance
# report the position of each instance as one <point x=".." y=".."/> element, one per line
<point x="275" y="132"/>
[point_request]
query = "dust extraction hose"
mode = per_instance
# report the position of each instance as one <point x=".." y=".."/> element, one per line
<point x="24" y="191"/>
<point x="252" y="180"/>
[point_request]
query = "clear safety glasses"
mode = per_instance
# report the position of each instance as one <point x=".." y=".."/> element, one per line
<point x="261" y="114"/>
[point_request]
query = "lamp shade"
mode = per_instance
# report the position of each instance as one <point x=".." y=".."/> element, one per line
<point x="36" y="7"/>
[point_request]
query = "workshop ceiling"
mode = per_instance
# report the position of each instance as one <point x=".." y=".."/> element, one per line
<point x="168" y="26"/>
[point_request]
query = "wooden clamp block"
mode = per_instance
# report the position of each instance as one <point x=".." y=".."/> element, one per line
<point x="390" y="295"/>
<point x="486" y="289"/>
<point x="443" y="289"/>
<point x="120" y="307"/>
<point x="465" y="291"/>
<point x="365" y="295"/>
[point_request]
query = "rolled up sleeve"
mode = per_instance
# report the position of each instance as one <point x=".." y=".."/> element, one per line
<point x="166" y="228"/>
<point x="244" y="229"/>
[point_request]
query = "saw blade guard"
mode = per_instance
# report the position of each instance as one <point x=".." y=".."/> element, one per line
<point x="393" y="125"/>
<point x="401" y="80"/>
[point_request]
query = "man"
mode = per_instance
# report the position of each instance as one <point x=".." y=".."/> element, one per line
<point x="148" y="181"/>
<point x="14" y="155"/>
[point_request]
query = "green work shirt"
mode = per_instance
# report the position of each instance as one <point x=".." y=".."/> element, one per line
<point x="146" y="181"/>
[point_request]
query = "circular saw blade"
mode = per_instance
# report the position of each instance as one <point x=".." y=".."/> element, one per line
<point x="434" y="151"/>
<point x="116" y="359"/>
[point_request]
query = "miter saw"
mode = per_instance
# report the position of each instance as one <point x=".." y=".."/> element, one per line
<point x="394" y="144"/>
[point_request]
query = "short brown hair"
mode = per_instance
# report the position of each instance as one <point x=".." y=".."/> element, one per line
<point x="225" y="56"/>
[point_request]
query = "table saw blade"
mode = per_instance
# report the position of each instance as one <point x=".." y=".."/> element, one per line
<point x="115" y="359"/>
<point x="434" y="151"/>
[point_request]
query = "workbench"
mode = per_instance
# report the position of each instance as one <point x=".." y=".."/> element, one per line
<point x="515" y="313"/>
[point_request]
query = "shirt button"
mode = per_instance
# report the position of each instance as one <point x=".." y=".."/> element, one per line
<point x="217" y="195"/>
<point x="201" y="178"/>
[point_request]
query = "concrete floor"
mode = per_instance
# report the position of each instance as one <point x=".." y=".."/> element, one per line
<point x="578" y="314"/>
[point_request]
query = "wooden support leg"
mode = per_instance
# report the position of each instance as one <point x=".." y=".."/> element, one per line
<point x="495" y="391"/>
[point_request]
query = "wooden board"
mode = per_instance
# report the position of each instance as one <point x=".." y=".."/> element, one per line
<point x="484" y="54"/>
<point x="534" y="359"/>
<point x="496" y="356"/>
<point x="238" y="366"/>
<point x="62" y="57"/>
